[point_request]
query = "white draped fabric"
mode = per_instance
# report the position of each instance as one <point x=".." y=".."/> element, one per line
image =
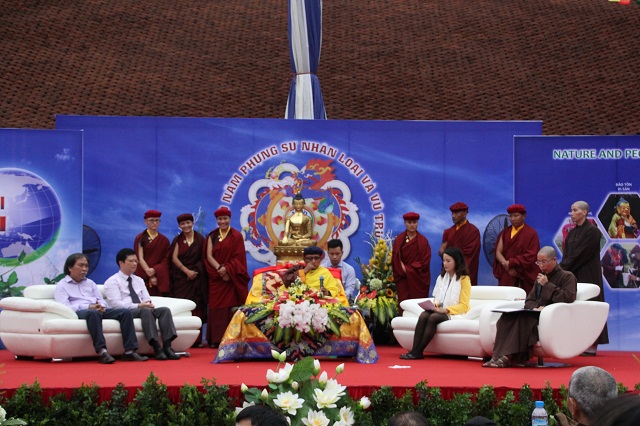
<point x="305" y="39"/>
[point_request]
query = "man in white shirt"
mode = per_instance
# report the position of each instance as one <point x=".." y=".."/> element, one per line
<point x="126" y="290"/>
<point x="334" y="260"/>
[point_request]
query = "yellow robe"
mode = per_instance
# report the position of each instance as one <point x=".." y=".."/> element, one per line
<point x="312" y="279"/>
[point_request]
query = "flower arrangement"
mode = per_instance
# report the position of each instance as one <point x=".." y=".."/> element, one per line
<point x="298" y="314"/>
<point x="304" y="395"/>
<point x="378" y="295"/>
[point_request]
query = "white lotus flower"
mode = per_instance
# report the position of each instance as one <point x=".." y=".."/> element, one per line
<point x="281" y="376"/>
<point x="289" y="402"/>
<point x="264" y="395"/>
<point x="326" y="398"/>
<point x="346" y="417"/>
<point x="340" y="368"/>
<point x="316" y="367"/>
<point x="244" y="388"/>
<point x="316" y="418"/>
<point x="364" y="402"/>
<point x="275" y="355"/>
<point x="323" y="378"/>
<point x="333" y="386"/>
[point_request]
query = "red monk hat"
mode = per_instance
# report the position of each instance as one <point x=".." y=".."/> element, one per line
<point x="516" y="208"/>
<point x="152" y="213"/>
<point x="458" y="206"/>
<point x="185" y="216"/>
<point x="411" y="216"/>
<point x="222" y="211"/>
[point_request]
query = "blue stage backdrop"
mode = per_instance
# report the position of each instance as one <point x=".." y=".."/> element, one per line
<point x="40" y="203"/>
<point x="359" y="177"/>
<point x="553" y="172"/>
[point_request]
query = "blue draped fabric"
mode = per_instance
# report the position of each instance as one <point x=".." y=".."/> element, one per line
<point x="305" y="40"/>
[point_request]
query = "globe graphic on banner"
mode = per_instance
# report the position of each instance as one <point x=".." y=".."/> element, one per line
<point x="30" y="216"/>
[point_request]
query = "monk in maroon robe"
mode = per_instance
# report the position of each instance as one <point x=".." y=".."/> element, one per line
<point x="188" y="274"/>
<point x="411" y="258"/>
<point x="464" y="235"/>
<point x="152" y="249"/>
<point x="516" y="250"/>
<point x="226" y="263"/>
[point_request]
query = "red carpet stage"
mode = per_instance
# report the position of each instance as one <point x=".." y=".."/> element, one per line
<point x="452" y="375"/>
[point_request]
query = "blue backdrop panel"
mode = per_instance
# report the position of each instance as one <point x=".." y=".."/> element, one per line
<point x="40" y="202"/>
<point x="553" y="172"/>
<point x="361" y="176"/>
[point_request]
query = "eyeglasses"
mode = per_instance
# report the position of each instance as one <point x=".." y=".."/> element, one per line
<point x="543" y="262"/>
<point x="153" y="220"/>
<point x="312" y="258"/>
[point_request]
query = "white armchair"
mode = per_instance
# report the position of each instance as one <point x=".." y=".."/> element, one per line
<point x="37" y="326"/>
<point x="565" y="329"/>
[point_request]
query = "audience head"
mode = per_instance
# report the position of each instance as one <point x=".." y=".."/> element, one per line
<point x="621" y="411"/>
<point x="589" y="388"/>
<point x="260" y="415"/>
<point x="458" y="259"/>
<point x="480" y="421"/>
<point x="408" y="418"/>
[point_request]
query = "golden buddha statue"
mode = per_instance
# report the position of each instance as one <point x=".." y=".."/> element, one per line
<point x="298" y="227"/>
<point x="298" y="231"/>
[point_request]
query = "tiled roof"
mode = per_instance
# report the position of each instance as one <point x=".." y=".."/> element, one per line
<point x="572" y="63"/>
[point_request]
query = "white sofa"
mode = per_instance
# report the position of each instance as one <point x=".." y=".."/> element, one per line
<point x="37" y="326"/>
<point x="460" y="336"/>
<point x="565" y="330"/>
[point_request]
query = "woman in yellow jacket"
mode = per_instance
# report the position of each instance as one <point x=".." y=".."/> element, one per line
<point x="451" y="297"/>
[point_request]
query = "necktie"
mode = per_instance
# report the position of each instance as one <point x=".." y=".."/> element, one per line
<point x="134" y="296"/>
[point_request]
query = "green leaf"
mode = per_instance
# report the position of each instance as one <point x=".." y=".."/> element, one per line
<point x="22" y="256"/>
<point x="287" y="335"/>
<point x="277" y="336"/>
<point x="13" y="278"/>
<point x="258" y="316"/>
<point x="335" y="328"/>
<point x="339" y="314"/>
<point x="302" y="370"/>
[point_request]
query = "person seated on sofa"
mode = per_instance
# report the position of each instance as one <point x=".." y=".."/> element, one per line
<point x="310" y="274"/>
<point x="126" y="290"/>
<point x="517" y="332"/>
<point x="81" y="294"/>
<point x="451" y="298"/>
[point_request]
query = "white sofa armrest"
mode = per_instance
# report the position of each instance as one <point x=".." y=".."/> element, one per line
<point x="178" y="307"/>
<point x="24" y="304"/>
<point x="410" y="307"/>
<point x="568" y="329"/>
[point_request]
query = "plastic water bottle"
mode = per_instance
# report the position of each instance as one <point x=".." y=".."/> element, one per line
<point x="539" y="416"/>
